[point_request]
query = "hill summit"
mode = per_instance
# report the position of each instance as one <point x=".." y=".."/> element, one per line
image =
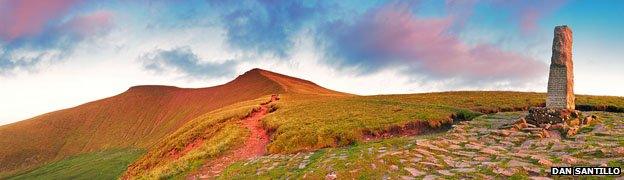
<point x="138" y="117"/>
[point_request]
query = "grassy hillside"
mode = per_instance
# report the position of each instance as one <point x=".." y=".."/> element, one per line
<point x="183" y="128"/>
<point x="138" y="117"/>
<point x="471" y="150"/>
<point x="218" y="132"/>
<point x="107" y="164"/>
<point x="304" y="123"/>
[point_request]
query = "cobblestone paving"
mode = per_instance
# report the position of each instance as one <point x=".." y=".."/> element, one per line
<point x="470" y="150"/>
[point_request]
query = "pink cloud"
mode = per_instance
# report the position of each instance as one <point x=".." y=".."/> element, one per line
<point x="89" y="24"/>
<point x="528" y="13"/>
<point x="393" y="35"/>
<point x="28" y="17"/>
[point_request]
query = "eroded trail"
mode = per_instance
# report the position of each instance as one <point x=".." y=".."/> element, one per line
<point x="255" y="145"/>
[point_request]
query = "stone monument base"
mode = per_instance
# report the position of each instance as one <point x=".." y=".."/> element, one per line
<point x="542" y="115"/>
<point x="544" y="122"/>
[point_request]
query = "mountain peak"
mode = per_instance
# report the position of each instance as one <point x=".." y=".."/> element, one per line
<point x="290" y="84"/>
<point x="151" y="88"/>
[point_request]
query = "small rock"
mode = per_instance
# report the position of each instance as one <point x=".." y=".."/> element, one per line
<point x="554" y="134"/>
<point x="407" y="178"/>
<point x="545" y="126"/>
<point x="574" y="122"/>
<point x="619" y="151"/>
<point x="394" y="167"/>
<point x="545" y="162"/>
<point x="498" y="148"/>
<point x="532" y="129"/>
<point x="573" y="130"/>
<point x="453" y="146"/>
<point x="424" y="152"/>
<point x="464" y="170"/>
<point x="503" y="171"/>
<point x="482" y="158"/>
<point x="302" y="165"/>
<point x="413" y="171"/>
<point x="532" y="170"/>
<point x="431" y="164"/>
<point x="588" y="119"/>
<point x="415" y="159"/>
<point x="569" y="159"/>
<point x="489" y="151"/>
<point x="515" y="163"/>
<point x="430" y="177"/>
<point x="446" y="172"/>
<point x="402" y="161"/>
<point x="464" y="153"/>
<point x="503" y="133"/>
<point x="472" y="147"/>
<point x="557" y="126"/>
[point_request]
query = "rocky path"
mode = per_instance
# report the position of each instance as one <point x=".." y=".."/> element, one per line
<point x="255" y="144"/>
<point x="472" y="149"/>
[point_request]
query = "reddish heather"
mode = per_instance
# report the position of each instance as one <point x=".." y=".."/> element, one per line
<point x="254" y="146"/>
<point x="138" y="117"/>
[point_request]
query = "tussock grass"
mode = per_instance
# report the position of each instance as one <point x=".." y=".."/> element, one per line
<point x="225" y="138"/>
<point x="108" y="164"/>
<point x="139" y="117"/>
<point x="220" y="129"/>
<point x="303" y="123"/>
<point x="306" y="122"/>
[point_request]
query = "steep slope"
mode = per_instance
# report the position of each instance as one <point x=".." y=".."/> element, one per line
<point x="299" y="86"/>
<point x="138" y="117"/>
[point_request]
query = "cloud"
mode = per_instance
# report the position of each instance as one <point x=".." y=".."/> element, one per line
<point x="527" y="14"/>
<point x="392" y="36"/>
<point x="92" y="24"/>
<point x="29" y="17"/>
<point x="265" y="26"/>
<point x="183" y="60"/>
<point x="52" y="43"/>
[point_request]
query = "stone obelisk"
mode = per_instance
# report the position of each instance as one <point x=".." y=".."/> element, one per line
<point x="561" y="77"/>
<point x="559" y="115"/>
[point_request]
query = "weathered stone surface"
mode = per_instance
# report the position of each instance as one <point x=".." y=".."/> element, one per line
<point x="541" y="115"/>
<point x="414" y="172"/>
<point x="516" y="154"/>
<point x="561" y="76"/>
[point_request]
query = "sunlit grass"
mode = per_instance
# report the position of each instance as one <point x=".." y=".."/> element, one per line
<point x="107" y="164"/>
<point x="304" y="122"/>
<point x="220" y="130"/>
<point x="312" y="122"/>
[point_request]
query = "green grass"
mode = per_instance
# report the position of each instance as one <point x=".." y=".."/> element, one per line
<point x="305" y="123"/>
<point x="309" y="124"/>
<point x="107" y="164"/>
<point x="224" y="139"/>
<point x="220" y="130"/>
<point x="352" y="162"/>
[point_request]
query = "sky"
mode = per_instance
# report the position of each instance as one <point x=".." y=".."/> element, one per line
<point x="57" y="54"/>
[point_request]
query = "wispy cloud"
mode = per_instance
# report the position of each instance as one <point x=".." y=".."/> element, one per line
<point x="20" y="18"/>
<point x="52" y="43"/>
<point x="527" y="14"/>
<point x="182" y="60"/>
<point x="265" y="26"/>
<point x="393" y="36"/>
